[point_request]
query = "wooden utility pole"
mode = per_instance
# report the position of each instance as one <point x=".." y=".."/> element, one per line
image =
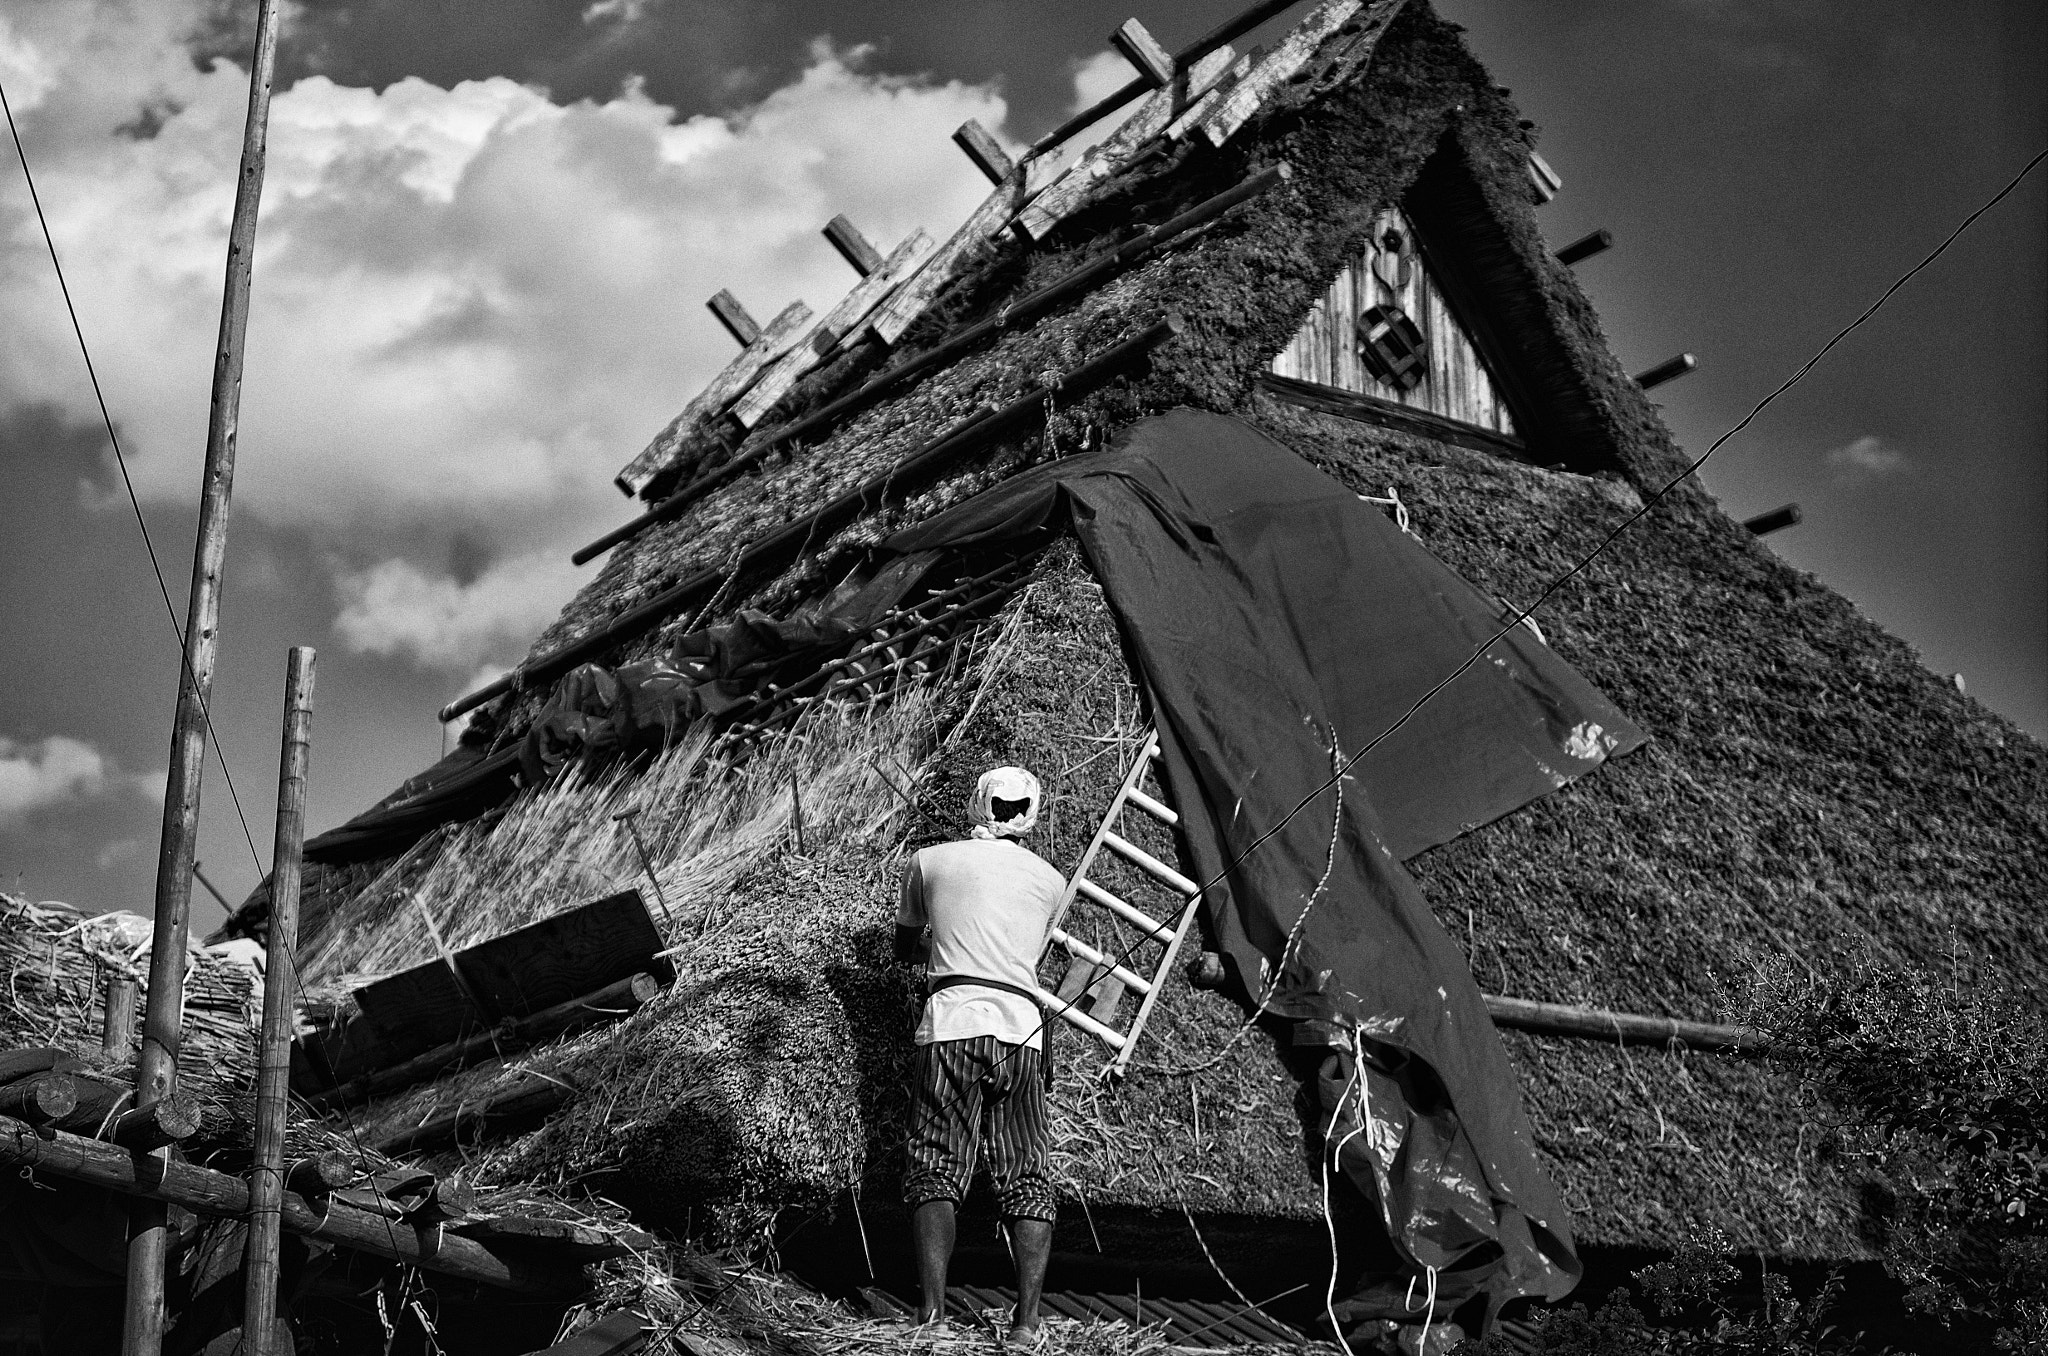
<point x="273" y="1065"/>
<point x="156" y="1073"/>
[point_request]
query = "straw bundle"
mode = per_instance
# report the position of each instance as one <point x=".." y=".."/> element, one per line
<point x="57" y="959"/>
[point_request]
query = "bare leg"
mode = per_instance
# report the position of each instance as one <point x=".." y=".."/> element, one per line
<point x="932" y="1226"/>
<point x="1031" y="1245"/>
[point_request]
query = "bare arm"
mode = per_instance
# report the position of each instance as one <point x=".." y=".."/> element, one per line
<point x="911" y="947"/>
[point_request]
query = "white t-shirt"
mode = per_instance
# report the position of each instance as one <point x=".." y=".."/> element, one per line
<point x="989" y="902"/>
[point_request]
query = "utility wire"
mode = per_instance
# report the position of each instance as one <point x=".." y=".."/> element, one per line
<point x="1343" y="768"/>
<point x="121" y="461"/>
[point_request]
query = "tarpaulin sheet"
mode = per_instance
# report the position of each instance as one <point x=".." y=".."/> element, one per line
<point x="1280" y="626"/>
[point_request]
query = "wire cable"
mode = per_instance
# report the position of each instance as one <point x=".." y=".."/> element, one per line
<point x="121" y="461"/>
<point x="1522" y="615"/>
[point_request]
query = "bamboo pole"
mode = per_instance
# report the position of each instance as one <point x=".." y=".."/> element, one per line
<point x="273" y="1067"/>
<point x="117" y="1023"/>
<point x="206" y="1192"/>
<point x="157" y="1067"/>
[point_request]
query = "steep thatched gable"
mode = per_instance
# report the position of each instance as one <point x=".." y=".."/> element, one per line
<point x="1812" y="794"/>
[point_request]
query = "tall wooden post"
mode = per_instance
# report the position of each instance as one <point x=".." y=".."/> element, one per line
<point x="162" y="1020"/>
<point x="273" y="1067"/>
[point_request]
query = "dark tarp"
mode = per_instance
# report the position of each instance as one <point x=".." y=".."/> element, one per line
<point x="596" y="714"/>
<point x="1280" y="625"/>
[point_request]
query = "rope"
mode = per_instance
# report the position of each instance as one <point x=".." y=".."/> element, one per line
<point x="127" y="484"/>
<point x="1329" y="1156"/>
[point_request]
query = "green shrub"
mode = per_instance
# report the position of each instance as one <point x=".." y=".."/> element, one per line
<point x="1940" y="1084"/>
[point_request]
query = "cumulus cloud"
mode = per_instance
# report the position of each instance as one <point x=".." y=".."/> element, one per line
<point x="471" y="305"/>
<point x="1867" y="458"/>
<point x="395" y="608"/>
<point x="52" y="772"/>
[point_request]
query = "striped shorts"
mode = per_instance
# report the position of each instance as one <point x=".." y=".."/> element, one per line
<point x="979" y="1094"/>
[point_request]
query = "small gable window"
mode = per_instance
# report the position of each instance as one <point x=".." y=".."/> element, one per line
<point x="1392" y="348"/>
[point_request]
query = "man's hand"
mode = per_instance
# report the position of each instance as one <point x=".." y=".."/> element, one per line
<point x="911" y="948"/>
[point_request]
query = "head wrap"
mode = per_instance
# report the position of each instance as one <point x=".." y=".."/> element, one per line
<point x="1004" y="783"/>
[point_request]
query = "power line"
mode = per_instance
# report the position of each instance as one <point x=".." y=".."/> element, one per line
<point x="127" y="484"/>
<point x="1343" y="768"/>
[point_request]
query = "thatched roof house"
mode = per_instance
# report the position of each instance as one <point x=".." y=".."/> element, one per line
<point x="1387" y="309"/>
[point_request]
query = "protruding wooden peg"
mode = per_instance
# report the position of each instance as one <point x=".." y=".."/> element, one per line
<point x="1142" y="50"/>
<point x="852" y="245"/>
<point x="1543" y="180"/>
<point x="1666" y="371"/>
<point x="741" y="326"/>
<point x="1585" y="247"/>
<point x="988" y="156"/>
<point x="1765" y="523"/>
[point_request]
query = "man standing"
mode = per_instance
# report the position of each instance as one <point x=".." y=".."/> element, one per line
<point x="979" y="1079"/>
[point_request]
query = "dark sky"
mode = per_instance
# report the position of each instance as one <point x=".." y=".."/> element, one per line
<point x="1768" y="167"/>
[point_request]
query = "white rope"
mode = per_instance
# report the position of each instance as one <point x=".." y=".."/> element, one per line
<point x="1330" y="1156"/>
<point x="1393" y="501"/>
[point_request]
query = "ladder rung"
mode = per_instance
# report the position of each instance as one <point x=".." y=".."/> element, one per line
<point x="1076" y="946"/>
<point x="1130" y="913"/>
<point x="1060" y="1007"/>
<point x="1152" y="807"/>
<point x="1138" y="857"/>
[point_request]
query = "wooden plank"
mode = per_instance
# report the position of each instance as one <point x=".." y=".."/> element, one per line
<point x="984" y="150"/>
<point x="1066" y="194"/>
<point x="417" y="1009"/>
<point x="853" y="247"/>
<point x="823" y="340"/>
<point x="1154" y="64"/>
<point x="741" y="326"/>
<point x="609" y="1003"/>
<point x="561" y="959"/>
<point x="1191" y="117"/>
<point x="961" y="251"/>
<point x="1279" y="65"/>
<point x="774" y="341"/>
<point x="216" y="1193"/>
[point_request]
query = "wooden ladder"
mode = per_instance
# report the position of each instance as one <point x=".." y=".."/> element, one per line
<point x="1095" y="981"/>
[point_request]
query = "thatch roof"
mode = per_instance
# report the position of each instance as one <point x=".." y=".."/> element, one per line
<point x="1811" y="788"/>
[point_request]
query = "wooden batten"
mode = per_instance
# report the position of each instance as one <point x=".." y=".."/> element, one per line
<point x="1543" y="181"/>
<point x="853" y="247"/>
<point x="984" y="150"/>
<point x="1191" y="117"/>
<point x="1283" y="62"/>
<point x="962" y="249"/>
<point x="741" y="326"/>
<point x="1154" y="64"/>
<point x="782" y="333"/>
<point x="1065" y="195"/>
<point x="1456" y="383"/>
<point x="824" y="339"/>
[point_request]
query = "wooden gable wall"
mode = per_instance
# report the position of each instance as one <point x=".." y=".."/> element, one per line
<point x="1389" y="271"/>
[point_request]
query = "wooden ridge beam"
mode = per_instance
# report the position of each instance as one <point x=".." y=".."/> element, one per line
<point x="206" y="1192"/>
<point x="772" y="342"/>
<point x="1017" y="314"/>
<point x="1285" y="61"/>
<point x="824" y="338"/>
<point x="817" y="527"/>
<point x="961" y="250"/>
<point x="1227" y="32"/>
<point x="1065" y="195"/>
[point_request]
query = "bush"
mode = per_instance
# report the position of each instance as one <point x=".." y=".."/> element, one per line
<point x="1697" y="1316"/>
<point x="1941" y="1085"/>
